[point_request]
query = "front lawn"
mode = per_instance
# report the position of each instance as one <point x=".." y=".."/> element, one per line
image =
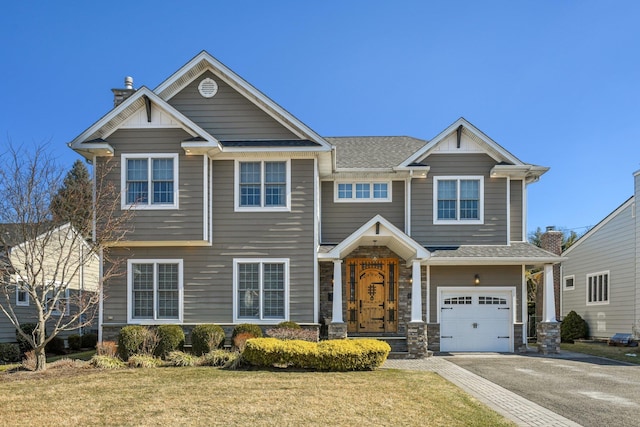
<point x="209" y="396"/>
<point x="603" y="350"/>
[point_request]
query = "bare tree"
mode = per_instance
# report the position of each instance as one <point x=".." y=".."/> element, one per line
<point x="45" y="261"/>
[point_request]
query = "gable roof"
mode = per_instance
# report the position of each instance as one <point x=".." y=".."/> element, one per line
<point x="629" y="202"/>
<point x="373" y="152"/>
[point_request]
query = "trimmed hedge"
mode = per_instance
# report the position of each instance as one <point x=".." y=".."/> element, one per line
<point x="206" y="338"/>
<point x="247" y="328"/>
<point x="170" y="338"/>
<point x="135" y="339"/>
<point x="310" y="335"/>
<point x="55" y="346"/>
<point x="288" y="325"/>
<point x="9" y="353"/>
<point x="75" y="342"/>
<point x="332" y="355"/>
<point x="89" y="340"/>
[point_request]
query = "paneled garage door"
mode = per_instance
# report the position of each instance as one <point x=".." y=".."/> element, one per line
<point x="476" y="320"/>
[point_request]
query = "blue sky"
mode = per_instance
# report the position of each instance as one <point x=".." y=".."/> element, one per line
<point x="557" y="83"/>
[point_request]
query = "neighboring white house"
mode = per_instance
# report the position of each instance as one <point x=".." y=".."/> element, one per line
<point x="53" y="254"/>
<point x="601" y="276"/>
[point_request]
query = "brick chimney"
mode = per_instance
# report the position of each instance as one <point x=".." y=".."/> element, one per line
<point x="551" y="241"/>
<point x="120" y="95"/>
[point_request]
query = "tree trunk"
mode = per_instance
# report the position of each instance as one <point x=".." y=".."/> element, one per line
<point x="41" y="359"/>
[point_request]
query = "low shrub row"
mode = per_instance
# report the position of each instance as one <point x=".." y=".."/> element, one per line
<point x="332" y="355"/>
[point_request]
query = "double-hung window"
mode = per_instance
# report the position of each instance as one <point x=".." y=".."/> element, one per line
<point x="262" y="185"/>
<point x="458" y="200"/>
<point x="362" y="192"/>
<point x="261" y="289"/>
<point x="22" y="293"/>
<point x="598" y="288"/>
<point x="150" y="181"/>
<point x="58" y="300"/>
<point x="155" y="290"/>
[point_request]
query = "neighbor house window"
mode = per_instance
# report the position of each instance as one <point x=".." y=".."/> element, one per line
<point x="58" y="305"/>
<point x="598" y="288"/>
<point x="22" y="293"/>
<point x="261" y="289"/>
<point x="155" y="290"/>
<point x="569" y="282"/>
<point x="150" y="181"/>
<point x="362" y="192"/>
<point x="262" y="185"/>
<point x="458" y="200"/>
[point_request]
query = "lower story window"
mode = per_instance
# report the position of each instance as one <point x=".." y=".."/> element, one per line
<point x="598" y="288"/>
<point x="261" y="288"/>
<point x="155" y="290"/>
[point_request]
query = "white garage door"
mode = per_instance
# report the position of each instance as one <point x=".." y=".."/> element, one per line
<point x="476" y="321"/>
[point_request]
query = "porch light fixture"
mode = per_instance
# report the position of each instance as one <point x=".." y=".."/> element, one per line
<point x="476" y="279"/>
<point x="411" y="280"/>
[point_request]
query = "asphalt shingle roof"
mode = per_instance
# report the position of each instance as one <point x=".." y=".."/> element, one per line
<point x="374" y="152"/>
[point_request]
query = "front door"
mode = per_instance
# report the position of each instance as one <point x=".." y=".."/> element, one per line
<point x="372" y="295"/>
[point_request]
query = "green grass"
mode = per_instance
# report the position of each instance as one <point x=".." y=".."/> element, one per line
<point x="210" y="396"/>
<point x="83" y="355"/>
<point x="603" y="350"/>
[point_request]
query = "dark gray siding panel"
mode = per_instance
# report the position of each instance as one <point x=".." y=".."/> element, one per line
<point x="457" y="276"/>
<point x="494" y="229"/>
<point x="610" y="248"/>
<point x="185" y="223"/>
<point x="516" y="211"/>
<point x="339" y="220"/>
<point x="228" y="115"/>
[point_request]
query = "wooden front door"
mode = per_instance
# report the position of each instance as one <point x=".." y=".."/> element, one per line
<point x="372" y="295"/>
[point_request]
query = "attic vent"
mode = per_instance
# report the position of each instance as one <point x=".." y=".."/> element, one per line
<point x="208" y="88"/>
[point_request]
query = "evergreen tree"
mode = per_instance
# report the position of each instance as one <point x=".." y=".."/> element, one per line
<point x="72" y="202"/>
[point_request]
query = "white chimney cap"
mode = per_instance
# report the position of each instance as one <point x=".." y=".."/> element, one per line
<point x="128" y="82"/>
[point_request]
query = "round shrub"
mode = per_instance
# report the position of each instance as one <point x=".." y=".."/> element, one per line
<point x="573" y="327"/>
<point x="55" y="346"/>
<point x="75" y="342"/>
<point x="9" y="353"/>
<point x="89" y="340"/>
<point x="170" y="338"/>
<point x="206" y="338"/>
<point x="288" y="325"/>
<point x="247" y="328"/>
<point x="131" y="340"/>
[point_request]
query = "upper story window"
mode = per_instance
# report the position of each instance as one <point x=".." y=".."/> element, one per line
<point x="263" y="185"/>
<point x="58" y="300"/>
<point x="598" y="288"/>
<point x="150" y="181"/>
<point x="261" y="289"/>
<point x="458" y="200"/>
<point x="155" y="290"/>
<point x="22" y="293"/>
<point x="362" y="192"/>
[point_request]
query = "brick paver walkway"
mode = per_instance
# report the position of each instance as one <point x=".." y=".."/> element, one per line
<point x="512" y="406"/>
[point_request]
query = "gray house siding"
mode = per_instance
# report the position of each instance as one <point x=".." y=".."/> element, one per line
<point x="610" y="248"/>
<point x="185" y="223"/>
<point x="456" y="276"/>
<point x="494" y="229"/>
<point x="228" y="115"/>
<point x="516" y="211"/>
<point x="339" y="220"/>
<point x="208" y="271"/>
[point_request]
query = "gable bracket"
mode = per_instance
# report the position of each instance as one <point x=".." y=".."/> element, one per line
<point x="147" y="104"/>
<point x="459" y="134"/>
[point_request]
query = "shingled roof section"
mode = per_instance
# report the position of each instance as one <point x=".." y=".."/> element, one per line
<point x="374" y="152"/>
<point x="519" y="250"/>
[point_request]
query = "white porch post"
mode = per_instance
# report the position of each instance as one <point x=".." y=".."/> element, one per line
<point x="549" y="303"/>
<point x="337" y="291"/>
<point x="416" y="293"/>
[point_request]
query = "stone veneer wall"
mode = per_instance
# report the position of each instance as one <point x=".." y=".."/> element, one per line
<point x="433" y="336"/>
<point x="518" y="344"/>
<point x="548" y="337"/>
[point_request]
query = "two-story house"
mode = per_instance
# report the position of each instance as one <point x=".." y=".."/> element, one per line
<point x="243" y="214"/>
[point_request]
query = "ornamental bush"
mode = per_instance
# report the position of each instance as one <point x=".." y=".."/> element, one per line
<point x="180" y="358"/>
<point x="293" y="334"/>
<point x="332" y="355"/>
<point x="106" y="362"/>
<point x="89" y="340"/>
<point x="206" y="338"/>
<point x="219" y="358"/>
<point x="9" y="353"/>
<point x="75" y="341"/>
<point x="248" y="328"/>
<point x="573" y="327"/>
<point x="55" y="346"/>
<point x="170" y="338"/>
<point x="136" y="339"/>
<point x="288" y="325"/>
<point x="143" y="361"/>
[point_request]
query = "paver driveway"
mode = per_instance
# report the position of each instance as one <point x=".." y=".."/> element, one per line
<point x="588" y="390"/>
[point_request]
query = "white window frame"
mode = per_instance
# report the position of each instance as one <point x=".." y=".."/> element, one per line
<point x="56" y="310"/>
<point x="149" y="157"/>
<point x="155" y="320"/>
<point x="459" y="221"/>
<point x="26" y="301"/>
<point x="564" y="282"/>
<point x="597" y="274"/>
<point x="261" y="320"/>
<point x="354" y="199"/>
<point x="262" y="207"/>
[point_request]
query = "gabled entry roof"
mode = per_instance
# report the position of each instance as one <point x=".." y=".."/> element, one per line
<point x="378" y="232"/>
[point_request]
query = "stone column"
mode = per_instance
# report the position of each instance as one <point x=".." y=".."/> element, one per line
<point x="416" y="293"/>
<point x="548" y="330"/>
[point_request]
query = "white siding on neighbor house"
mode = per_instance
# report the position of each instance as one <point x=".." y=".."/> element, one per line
<point x="610" y="248"/>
